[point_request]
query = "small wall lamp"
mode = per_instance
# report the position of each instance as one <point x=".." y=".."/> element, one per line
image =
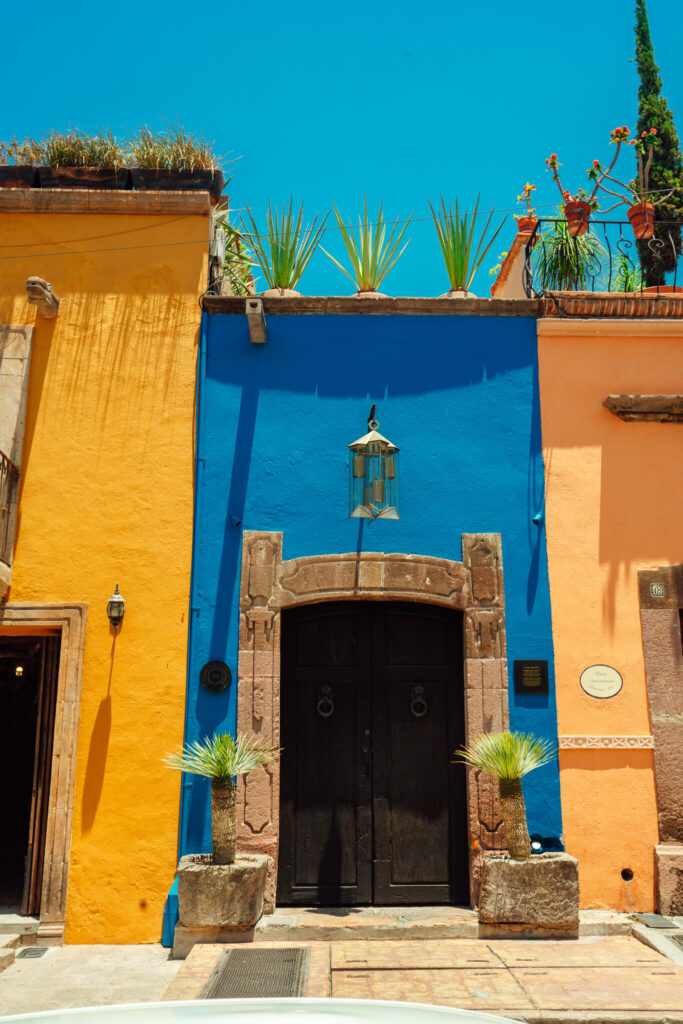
<point x="116" y="609"/>
<point x="373" y="475"/>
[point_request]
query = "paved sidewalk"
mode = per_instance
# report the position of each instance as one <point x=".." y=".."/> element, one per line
<point x="68" y="976"/>
<point x="593" y="979"/>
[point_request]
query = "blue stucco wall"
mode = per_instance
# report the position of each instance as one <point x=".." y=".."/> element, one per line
<point x="458" y="395"/>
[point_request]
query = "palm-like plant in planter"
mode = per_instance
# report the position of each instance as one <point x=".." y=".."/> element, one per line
<point x="285" y="250"/>
<point x="372" y="253"/>
<point x="456" y="238"/>
<point x="509" y="756"/>
<point x="221" y="758"/>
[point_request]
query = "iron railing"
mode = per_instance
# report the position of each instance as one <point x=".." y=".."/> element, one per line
<point x="605" y="259"/>
<point x="9" y="478"/>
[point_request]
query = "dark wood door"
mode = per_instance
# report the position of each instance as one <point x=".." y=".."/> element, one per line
<point x="372" y="810"/>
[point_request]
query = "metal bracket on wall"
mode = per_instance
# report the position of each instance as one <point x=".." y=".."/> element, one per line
<point x="256" y="320"/>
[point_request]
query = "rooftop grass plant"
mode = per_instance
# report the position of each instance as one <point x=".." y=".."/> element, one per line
<point x="508" y="757"/>
<point x="456" y="238"/>
<point x="284" y="250"/>
<point x="74" y="148"/>
<point x="221" y="758"/>
<point x="372" y="253"/>
<point x="173" y="149"/>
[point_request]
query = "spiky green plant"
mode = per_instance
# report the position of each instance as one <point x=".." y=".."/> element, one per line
<point x="509" y="756"/>
<point x="561" y="262"/>
<point x="627" y="276"/>
<point x="283" y="252"/>
<point x="456" y="238"/>
<point x="238" y="263"/>
<point x="371" y="252"/>
<point x="220" y="758"/>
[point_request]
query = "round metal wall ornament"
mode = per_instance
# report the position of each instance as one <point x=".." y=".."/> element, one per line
<point x="601" y="681"/>
<point x="215" y="676"/>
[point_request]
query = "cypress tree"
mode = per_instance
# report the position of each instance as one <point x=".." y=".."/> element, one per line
<point x="667" y="167"/>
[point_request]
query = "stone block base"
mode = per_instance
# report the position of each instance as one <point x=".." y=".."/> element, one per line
<point x="669" y="869"/>
<point x="185" y="938"/>
<point x="534" y="898"/>
<point x="221" y="895"/>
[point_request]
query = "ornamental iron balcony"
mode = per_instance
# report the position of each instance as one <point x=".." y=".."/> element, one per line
<point x="9" y="479"/>
<point x="607" y="258"/>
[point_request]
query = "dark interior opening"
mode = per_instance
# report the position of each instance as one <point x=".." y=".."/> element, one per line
<point x="28" y="677"/>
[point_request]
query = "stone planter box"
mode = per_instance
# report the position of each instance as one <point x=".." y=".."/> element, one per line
<point x="534" y="898"/>
<point x="218" y="902"/>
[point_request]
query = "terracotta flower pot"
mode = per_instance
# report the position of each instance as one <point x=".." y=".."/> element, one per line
<point x="578" y="214"/>
<point x="642" y="217"/>
<point x="526" y="223"/>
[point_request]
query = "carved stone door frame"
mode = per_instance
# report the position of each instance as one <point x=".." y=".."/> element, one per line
<point x="268" y="585"/>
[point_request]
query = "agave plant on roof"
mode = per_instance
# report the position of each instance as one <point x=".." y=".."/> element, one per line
<point x="456" y="238"/>
<point x="283" y="251"/>
<point x="372" y="253"/>
<point x="509" y="756"/>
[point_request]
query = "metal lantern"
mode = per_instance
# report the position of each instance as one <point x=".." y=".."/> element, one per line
<point x="373" y="475"/>
<point x="116" y="609"/>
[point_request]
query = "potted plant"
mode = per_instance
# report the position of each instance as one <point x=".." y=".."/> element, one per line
<point x="641" y="201"/>
<point x="456" y="236"/>
<point x="16" y="167"/>
<point x="562" y="262"/>
<point x="220" y="892"/>
<point x="526" y="221"/>
<point x="284" y="251"/>
<point x="521" y="892"/>
<point x="174" y="159"/>
<point x="371" y="253"/>
<point x="75" y="159"/>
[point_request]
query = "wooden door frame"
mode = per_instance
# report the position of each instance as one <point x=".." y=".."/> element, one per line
<point x="268" y="585"/>
<point x="69" y="620"/>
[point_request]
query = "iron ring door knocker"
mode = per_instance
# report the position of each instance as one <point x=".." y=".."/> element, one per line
<point x="325" y="705"/>
<point x="418" y="703"/>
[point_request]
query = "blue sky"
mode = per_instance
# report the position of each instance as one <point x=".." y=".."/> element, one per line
<point x="329" y="101"/>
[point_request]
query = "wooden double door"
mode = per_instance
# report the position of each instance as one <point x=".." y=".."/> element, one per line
<point x="372" y="808"/>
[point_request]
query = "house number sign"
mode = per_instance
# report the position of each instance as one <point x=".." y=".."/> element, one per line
<point x="601" y="681"/>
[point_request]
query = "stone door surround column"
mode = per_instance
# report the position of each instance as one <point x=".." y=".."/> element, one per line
<point x="661" y="601"/>
<point x="268" y="585"/>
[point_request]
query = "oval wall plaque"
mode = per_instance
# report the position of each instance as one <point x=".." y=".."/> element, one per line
<point x="601" y="681"/>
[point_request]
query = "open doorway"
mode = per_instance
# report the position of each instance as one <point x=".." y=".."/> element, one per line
<point x="28" y="689"/>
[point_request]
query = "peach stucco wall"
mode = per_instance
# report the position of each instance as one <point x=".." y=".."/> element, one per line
<point x="614" y="494"/>
<point x="106" y="498"/>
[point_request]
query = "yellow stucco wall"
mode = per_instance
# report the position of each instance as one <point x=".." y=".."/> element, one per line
<point x="106" y="498"/>
<point x="614" y="494"/>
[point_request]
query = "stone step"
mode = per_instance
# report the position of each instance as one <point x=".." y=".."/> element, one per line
<point x="330" y="925"/>
<point x="19" y="924"/>
<point x="8" y="946"/>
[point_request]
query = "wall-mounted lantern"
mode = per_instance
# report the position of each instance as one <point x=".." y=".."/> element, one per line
<point x="373" y="475"/>
<point x="116" y="609"/>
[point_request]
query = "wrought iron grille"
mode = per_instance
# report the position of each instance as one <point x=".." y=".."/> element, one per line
<point x="9" y="478"/>
<point x="605" y="259"/>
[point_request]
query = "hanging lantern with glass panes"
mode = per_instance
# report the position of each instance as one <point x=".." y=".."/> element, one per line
<point x="373" y="475"/>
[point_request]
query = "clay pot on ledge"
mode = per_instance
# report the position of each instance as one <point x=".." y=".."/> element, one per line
<point x="578" y="214"/>
<point x="458" y="293"/>
<point x="642" y="217"/>
<point x="369" y="295"/>
<point x="527" y="223"/>
<point x="280" y="293"/>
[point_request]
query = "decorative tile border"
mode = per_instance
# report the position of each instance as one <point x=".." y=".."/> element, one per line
<point x="606" y="742"/>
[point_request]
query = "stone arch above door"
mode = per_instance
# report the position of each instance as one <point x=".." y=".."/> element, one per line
<point x="269" y="585"/>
